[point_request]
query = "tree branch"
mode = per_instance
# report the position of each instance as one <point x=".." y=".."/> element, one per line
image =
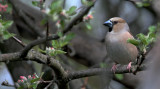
<point x="98" y="71"/>
<point x="19" y="41"/>
<point x="78" y="18"/>
<point x="54" y="64"/>
<point x="62" y="75"/>
<point x="36" y="42"/>
<point x="5" y="83"/>
<point x="74" y="21"/>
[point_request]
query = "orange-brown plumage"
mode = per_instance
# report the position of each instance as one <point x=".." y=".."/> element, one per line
<point x="118" y="49"/>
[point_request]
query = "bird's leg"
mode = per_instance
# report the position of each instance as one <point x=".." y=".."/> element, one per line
<point x="114" y="68"/>
<point x="129" y="66"/>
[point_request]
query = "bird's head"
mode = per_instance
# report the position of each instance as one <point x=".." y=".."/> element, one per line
<point x="116" y="24"/>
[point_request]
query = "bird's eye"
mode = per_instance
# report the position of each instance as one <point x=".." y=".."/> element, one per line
<point x="115" y="22"/>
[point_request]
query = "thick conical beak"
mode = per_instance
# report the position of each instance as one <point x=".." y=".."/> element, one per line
<point x="108" y="23"/>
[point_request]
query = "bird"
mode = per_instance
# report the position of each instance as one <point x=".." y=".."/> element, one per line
<point x="118" y="49"/>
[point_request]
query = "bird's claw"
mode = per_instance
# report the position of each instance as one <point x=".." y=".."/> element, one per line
<point x="114" y="68"/>
<point x="129" y="66"/>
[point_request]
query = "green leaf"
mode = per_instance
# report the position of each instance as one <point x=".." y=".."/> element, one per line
<point x="52" y="53"/>
<point x="152" y="35"/>
<point x="35" y="86"/>
<point x="55" y="17"/>
<point x="30" y="86"/>
<point x="41" y="74"/>
<point x="139" y="4"/>
<point x="119" y="76"/>
<point x="62" y="22"/>
<point x="87" y="2"/>
<point x="103" y="65"/>
<point x="9" y="9"/>
<point x="34" y="80"/>
<point x="65" y="40"/>
<point x="42" y="51"/>
<point x="7" y="24"/>
<point x="60" y="34"/>
<point x="60" y="52"/>
<point x="63" y="43"/>
<point x="43" y="21"/>
<point x="3" y="32"/>
<point x="69" y="36"/>
<point x="58" y="10"/>
<point x="146" y="4"/>
<point x="7" y="35"/>
<point x="89" y="27"/>
<point x="56" y="6"/>
<point x="35" y="3"/>
<point x="142" y="38"/>
<point x="72" y="10"/>
<point x="55" y="44"/>
<point x="133" y="41"/>
<point x="143" y="41"/>
<point x="21" y="87"/>
<point x="152" y="29"/>
<point x="151" y="40"/>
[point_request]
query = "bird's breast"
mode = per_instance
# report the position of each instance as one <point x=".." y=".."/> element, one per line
<point x="119" y="50"/>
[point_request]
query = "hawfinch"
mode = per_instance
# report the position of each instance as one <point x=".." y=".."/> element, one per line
<point x="118" y="49"/>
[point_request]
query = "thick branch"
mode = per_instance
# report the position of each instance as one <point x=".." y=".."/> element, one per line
<point x="10" y="57"/>
<point x="35" y="56"/>
<point x="41" y="58"/>
<point x="62" y="75"/>
<point x="98" y="71"/>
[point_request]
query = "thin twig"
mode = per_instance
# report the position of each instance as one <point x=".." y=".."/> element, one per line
<point x="19" y="41"/>
<point x="51" y="82"/>
<point x="47" y="33"/>
<point x="78" y="18"/>
<point x="64" y="2"/>
<point x="5" y="83"/>
<point x="36" y="42"/>
<point x="141" y="58"/>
